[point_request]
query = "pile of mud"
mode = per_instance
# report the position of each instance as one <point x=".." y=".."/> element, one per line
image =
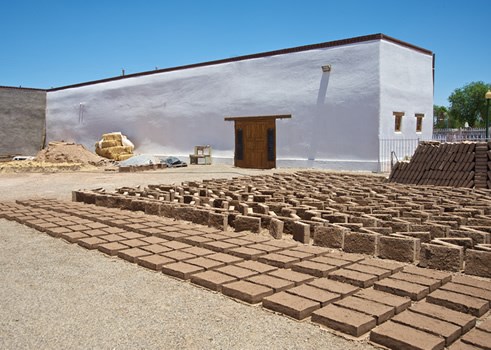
<point x="28" y="166"/>
<point x="58" y="157"/>
<point x="65" y="152"/>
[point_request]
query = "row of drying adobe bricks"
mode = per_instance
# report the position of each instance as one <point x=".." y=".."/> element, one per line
<point x="448" y="164"/>
<point x="443" y="253"/>
<point x="461" y="250"/>
<point x="334" y="304"/>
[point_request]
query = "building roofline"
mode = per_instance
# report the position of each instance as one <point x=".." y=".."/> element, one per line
<point x="20" y="88"/>
<point x="328" y="44"/>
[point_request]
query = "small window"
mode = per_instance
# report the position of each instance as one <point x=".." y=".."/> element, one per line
<point x="398" y="121"/>
<point x="419" y="122"/>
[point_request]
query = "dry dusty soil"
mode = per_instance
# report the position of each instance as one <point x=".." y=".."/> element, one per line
<point x="54" y="295"/>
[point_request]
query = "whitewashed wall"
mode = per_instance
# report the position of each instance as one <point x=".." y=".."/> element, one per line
<point x="335" y="116"/>
<point x="406" y="82"/>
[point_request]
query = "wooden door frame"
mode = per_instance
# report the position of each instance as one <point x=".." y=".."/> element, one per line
<point x="262" y="118"/>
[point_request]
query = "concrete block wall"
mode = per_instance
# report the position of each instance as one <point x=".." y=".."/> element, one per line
<point x="22" y="121"/>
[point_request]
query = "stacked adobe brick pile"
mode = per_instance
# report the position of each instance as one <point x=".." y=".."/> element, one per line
<point x="463" y="164"/>
<point x="396" y="305"/>
<point x="439" y="227"/>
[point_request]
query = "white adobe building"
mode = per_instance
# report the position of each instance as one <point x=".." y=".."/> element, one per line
<point x="343" y="97"/>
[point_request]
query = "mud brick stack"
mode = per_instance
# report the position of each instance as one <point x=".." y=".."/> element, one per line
<point x="463" y="164"/>
<point x="481" y="168"/>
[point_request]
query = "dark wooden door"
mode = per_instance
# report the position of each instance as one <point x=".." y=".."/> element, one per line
<point x="255" y="143"/>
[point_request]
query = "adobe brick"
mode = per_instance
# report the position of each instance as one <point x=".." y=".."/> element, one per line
<point x="315" y="251"/>
<point x="331" y="236"/>
<point x="267" y="248"/>
<point x="313" y="293"/>
<point x="212" y="279"/>
<point x="397" y="336"/>
<point x="296" y="277"/>
<point x="156" y="248"/>
<point x="290" y="305"/>
<point x="237" y="272"/>
<point x="278" y="260"/>
<point x="57" y="231"/>
<point x="465" y="321"/>
<point x="132" y="254"/>
<point x="112" y="238"/>
<point x="431" y="283"/>
<point x="198" y="251"/>
<point x="332" y="259"/>
<point x="359" y="279"/>
<point x="176" y="245"/>
<point x="154" y="261"/>
<point x="459" y="302"/>
<point x="460" y="345"/>
<point x="472" y="281"/>
<point x="74" y="236"/>
<point x="380" y="273"/>
<point x="441" y="257"/>
<point x="112" y="230"/>
<point x="361" y="243"/>
<point x="485" y="326"/>
<point x="301" y="232"/>
<point x="246" y="291"/>
<point x="277" y="284"/>
<point x="111" y="248"/>
<point x="258" y="239"/>
<point x="178" y="255"/>
<point x="181" y="270"/>
<point x="344" y="320"/>
<point x="297" y="254"/>
<point x="393" y="267"/>
<point x="247" y="223"/>
<point x="257" y="266"/>
<point x="225" y="258"/>
<point x="205" y="263"/>
<point x="134" y="243"/>
<point x="399" y="303"/>
<point x="313" y="268"/>
<point x="402" y="288"/>
<point x="381" y="312"/>
<point x="239" y="241"/>
<point x="468" y="290"/>
<point x="196" y="240"/>
<point x="90" y="242"/>
<point x="276" y="228"/>
<point x="219" y="246"/>
<point x="443" y="276"/>
<point x="343" y="289"/>
<point x="478" y="263"/>
<point x="405" y="249"/>
<point x="430" y="325"/>
<point x="246" y="252"/>
<point x="478" y="338"/>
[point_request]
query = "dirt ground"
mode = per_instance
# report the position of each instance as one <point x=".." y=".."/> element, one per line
<point x="56" y="295"/>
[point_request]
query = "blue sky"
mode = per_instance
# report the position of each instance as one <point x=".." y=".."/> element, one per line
<point x="50" y="43"/>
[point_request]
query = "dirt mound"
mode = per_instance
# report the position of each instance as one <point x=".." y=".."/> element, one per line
<point x="65" y="152"/>
<point x="27" y="166"/>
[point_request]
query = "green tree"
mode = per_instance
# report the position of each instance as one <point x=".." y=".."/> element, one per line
<point x="440" y="117"/>
<point x="468" y="104"/>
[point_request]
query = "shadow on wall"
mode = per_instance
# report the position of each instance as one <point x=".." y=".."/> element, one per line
<point x="319" y="112"/>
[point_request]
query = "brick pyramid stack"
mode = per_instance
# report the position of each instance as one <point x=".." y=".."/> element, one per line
<point x="463" y="164"/>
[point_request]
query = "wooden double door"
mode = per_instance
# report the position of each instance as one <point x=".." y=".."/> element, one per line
<point x="255" y="142"/>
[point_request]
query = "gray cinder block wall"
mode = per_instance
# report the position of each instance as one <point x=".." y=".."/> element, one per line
<point x="22" y="121"/>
